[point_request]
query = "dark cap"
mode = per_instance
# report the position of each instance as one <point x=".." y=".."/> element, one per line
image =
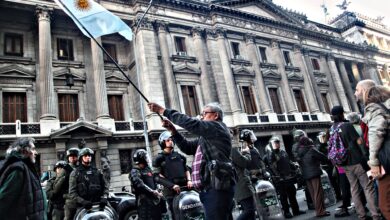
<point x="337" y="110"/>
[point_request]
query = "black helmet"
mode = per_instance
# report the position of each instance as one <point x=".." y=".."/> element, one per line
<point x="163" y="137"/>
<point x="61" y="164"/>
<point x="297" y="134"/>
<point x="140" y="156"/>
<point x="85" y="151"/>
<point x="72" y="152"/>
<point x="247" y="136"/>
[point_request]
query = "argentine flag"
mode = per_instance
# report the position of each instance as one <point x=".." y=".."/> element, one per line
<point x="96" y="19"/>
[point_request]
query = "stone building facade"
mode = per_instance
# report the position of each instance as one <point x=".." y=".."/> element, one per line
<point x="272" y="70"/>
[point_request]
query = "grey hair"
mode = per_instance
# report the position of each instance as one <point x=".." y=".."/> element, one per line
<point x="366" y="83"/>
<point x="353" y="117"/>
<point x="215" y="107"/>
<point x="20" y="145"/>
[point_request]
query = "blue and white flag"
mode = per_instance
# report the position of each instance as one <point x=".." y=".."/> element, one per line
<point x="96" y="19"/>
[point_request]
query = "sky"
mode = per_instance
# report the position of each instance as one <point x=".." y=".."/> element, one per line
<point x="314" y="11"/>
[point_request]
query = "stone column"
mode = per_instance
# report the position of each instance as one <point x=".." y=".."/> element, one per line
<point x="310" y="69"/>
<point x="373" y="73"/>
<point x="299" y="61"/>
<point x="216" y="65"/>
<point x="209" y="93"/>
<point x="338" y="84"/>
<point x="347" y="87"/>
<point x="386" y="73"/>
<point x="285" y="86"/>
<point x="251" y="48"/>
<point x="355" y="71"/>
<point x="332" y="89"/>
<point x="45" y="77"/>
<point x="173" y="98"/>
<point x="227" y="72"/>
<point x="99" y="81"/>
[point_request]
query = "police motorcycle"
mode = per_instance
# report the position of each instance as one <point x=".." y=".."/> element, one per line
<point x="266" y="199"/>
<point x="187" y="205"/>
<point x="122" y="207"/>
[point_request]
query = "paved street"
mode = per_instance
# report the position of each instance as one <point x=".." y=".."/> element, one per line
<point x="310" y="214"/>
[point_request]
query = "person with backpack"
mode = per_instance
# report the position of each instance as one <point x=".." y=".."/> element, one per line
<point x="377" y="118"/>
<point x="345" y="149"/>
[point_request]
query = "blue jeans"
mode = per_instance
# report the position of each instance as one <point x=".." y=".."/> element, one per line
<point x="217" y="203"/>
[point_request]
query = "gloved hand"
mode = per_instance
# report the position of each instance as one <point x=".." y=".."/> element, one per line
<point x="87" y="204"/>
<point x="103" y="203"/>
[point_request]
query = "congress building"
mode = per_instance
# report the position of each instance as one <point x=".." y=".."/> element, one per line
<point x="271" y="69"/>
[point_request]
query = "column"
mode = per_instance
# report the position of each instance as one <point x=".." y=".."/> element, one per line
<point x="312" y="78"/>
<point x="386" y="73"/>
<point x="227" y="72"/>
<point x="348" y="87"/>
<point x="373" y="73"/>
<point x="220" y="86"/>
<point x="285" y="86"/>
<point x="264" y="102"/>
<point x="209" y="93"/>
<point x="338" y="84"/>
<point x="355" y="71"/>
<point x="99" y="81"/>
<point x="45" y="77"/>
<point x="332" y="88"/>
<point x="299" y="61"/>
<point x="173" y="98"/>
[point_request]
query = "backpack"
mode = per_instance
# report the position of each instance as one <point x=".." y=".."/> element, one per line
<point x="338" y="153"/>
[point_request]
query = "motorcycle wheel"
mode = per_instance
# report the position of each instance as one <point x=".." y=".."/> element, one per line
<point x="131" y="215"/>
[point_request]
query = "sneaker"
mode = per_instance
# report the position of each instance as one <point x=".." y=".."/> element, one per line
<point x="288" y="215"/>
<point x="341" y="213"/>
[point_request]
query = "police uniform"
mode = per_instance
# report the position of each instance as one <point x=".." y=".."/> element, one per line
<point x="173" y="167"/>
<point x="256" y="166"/>
<point x="144" y="186"/>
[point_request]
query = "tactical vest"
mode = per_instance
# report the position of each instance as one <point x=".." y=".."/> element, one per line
<point x="90" y="184"/>
<point x="173" y="168"/>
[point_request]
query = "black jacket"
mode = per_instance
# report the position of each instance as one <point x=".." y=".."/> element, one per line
<point x="309" y="158"/>
<point x="244" y="187"/>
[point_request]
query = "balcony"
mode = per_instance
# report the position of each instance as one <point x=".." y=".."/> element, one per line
<point x="273" y="118"/>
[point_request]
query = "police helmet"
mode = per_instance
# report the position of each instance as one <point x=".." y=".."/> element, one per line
<point x="297" y="134"/>
<point x="72" y="152"/>
<point x="163" y="137"/>
<point x="247" y="135"/>
<point x="85" y="151"/>
<point x="140" y="156"/>
<point x="274" y="139"/>
<point x="61" y="164"/>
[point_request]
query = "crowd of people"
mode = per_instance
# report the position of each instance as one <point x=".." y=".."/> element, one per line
<point x="354" y="153"/>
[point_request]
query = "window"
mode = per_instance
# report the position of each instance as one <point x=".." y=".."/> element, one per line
<point x="111" y="49"/>
<point x="273" y="93"/>
<point x="263" y="55"/>
<point x="115" y="107"/>
<point x="65" y="49"/>
<point x="248" y="100"/>
<point x="287" y="59"/>
<point x="235" y="49"/>
<point x="180" y="43"/>
<point x="125" y="158"/>
<point x="325" y="101"/>
<point x="315" y="64"/>
<point x="299" y="100"/>
<point x="68" y="107"/>
<point x="190" y="100"/>
<point x="13" y="44"/>
<point x="14" y="107"/>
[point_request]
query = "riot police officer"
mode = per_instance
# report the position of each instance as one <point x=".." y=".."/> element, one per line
<point x="70" y="205"/>
<point x="171" y="166"/>
<point x="144" y="185"/>
<point x="256" y="166"/>
<point x="283" y="177"/>
<point x="56" y="188"/>
<point x="86" y="183"/>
